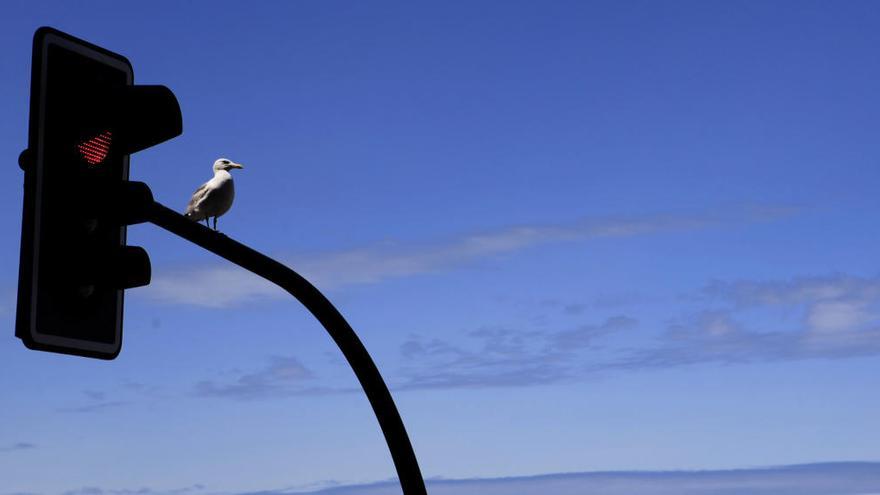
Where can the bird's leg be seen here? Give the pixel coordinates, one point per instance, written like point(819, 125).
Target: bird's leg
point(206, 222)
point(215, 224)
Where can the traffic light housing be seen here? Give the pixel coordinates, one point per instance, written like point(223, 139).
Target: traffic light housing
point(86, 118)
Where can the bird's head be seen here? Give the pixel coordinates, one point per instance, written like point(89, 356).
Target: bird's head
point(224, 164)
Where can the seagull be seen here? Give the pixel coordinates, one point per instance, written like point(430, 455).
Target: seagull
point(213, 198)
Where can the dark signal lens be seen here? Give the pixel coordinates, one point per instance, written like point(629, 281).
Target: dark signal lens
point(95, 150)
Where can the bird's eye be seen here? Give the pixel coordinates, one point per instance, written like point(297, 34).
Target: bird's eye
point(226, 162)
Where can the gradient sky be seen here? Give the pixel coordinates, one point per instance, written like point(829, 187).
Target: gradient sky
point(575, 236)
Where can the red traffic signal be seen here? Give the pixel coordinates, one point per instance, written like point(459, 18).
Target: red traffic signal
point(95, 150)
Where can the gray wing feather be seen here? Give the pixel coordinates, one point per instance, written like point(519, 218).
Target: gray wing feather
point(197, 197)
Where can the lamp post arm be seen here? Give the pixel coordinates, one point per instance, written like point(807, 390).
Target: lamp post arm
point(354, 351)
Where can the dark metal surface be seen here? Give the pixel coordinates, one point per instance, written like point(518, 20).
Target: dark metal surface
point(377, 392)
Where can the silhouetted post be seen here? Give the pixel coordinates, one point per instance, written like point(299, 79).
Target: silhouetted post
point(377, 392)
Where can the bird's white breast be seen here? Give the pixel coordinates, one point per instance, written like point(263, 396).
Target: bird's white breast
point(222, 193)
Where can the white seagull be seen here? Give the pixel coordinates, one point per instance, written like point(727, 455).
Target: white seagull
point(214, 198)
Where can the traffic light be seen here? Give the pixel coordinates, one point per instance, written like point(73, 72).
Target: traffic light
point(86, 117)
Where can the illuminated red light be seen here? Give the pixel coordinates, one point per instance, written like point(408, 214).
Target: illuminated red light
point(95, 150)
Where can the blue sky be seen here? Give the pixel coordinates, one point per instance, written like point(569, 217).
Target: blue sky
point(576, 237)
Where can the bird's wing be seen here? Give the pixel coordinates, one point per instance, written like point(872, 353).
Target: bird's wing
point(201, 193)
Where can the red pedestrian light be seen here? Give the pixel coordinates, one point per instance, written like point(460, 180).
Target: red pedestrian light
point(95, 150)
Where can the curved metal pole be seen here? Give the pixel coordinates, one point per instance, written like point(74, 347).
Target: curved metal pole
point(377, 392)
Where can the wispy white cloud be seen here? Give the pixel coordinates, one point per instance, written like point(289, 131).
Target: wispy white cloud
point(845, 478)
point(835, 307)
point(840, 318)
point(282, 376)
point(212, 286)
point(97, 401)
point(93, 407)
point(491, 357)
point(17, 446)
point(799, 290)
point(224, 285)
point(95, 490)
point(503, 357)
